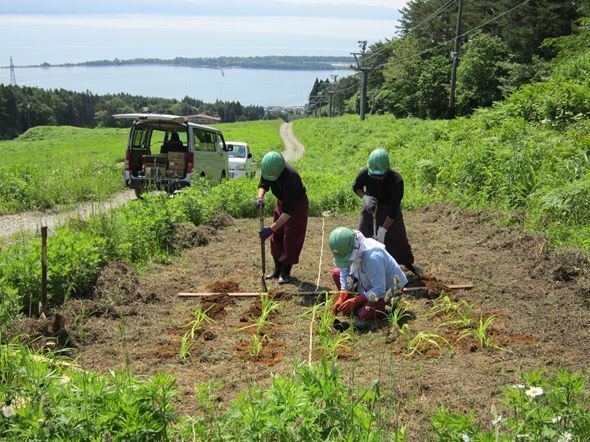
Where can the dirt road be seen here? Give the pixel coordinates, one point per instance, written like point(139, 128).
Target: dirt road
point(293, 147)
point(31, 221)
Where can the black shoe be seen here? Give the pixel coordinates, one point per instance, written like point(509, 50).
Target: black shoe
point(276, 272)
point(414, 269)
point(362, 326)
point(285, 276)
point(340, 326)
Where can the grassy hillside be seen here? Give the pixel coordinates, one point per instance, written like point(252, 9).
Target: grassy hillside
point(50, 165)
point(59, 165)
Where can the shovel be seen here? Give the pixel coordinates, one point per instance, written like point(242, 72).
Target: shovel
point(263, 255)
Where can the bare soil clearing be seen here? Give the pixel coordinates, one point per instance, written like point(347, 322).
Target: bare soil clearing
point(540, 300)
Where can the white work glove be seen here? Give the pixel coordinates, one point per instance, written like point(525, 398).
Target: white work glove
point(369, 202)
point(381, 235)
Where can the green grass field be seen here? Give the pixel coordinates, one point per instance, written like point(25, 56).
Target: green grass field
point(60, 165)
point(47, 166)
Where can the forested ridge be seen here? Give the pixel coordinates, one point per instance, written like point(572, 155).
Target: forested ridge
point(503, 45)
point(22, 107)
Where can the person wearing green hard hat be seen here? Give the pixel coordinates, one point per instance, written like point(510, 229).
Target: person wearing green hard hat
point(287, 232)
point(372, 269)
point(382, 189)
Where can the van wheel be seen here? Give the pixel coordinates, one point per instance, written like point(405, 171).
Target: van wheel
point(223, 176)
point(138, 192)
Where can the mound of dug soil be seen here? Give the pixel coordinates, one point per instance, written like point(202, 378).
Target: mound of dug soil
point(215, 305)
point(117, 279)
point(187, 235)
point(42, 333)
point(224, 286)
point(221, 220)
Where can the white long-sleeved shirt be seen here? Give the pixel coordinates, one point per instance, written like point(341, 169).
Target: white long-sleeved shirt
point(376, 273)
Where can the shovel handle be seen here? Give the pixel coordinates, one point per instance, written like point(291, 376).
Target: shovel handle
point(262, 253)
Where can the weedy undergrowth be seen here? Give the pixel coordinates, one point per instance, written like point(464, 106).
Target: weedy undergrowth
point(188, 339)
point(322, 326)
point(257, 344)
point(481, 333)
point(268, 306)
point(422, 341)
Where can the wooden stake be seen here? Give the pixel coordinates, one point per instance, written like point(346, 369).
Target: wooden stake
point(43, 301)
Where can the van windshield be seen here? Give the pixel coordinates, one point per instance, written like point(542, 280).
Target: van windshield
point(236, 151)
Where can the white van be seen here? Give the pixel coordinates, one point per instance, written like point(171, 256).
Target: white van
point(167, 152)
point(240, 160)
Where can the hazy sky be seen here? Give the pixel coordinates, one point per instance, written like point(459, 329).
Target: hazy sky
point(58, 31)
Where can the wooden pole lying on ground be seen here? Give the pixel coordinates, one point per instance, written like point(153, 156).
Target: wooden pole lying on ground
point(332, 292)
point(43, 301)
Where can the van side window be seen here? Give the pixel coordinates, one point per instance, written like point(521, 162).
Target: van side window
point(219, 142)
point(204, 141)
point(140, 139)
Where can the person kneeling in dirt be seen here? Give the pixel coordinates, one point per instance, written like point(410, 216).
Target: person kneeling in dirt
point(371, 267)
point(382, 190)
point(287, 233)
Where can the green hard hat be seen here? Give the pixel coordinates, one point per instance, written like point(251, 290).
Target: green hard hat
point(342, 241)
point(272, 165)
point(378, 162)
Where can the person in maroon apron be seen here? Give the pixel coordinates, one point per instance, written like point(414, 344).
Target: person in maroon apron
point(287, 233)
point(382, 190)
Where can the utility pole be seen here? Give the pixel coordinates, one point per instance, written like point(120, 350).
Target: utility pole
point(455, 57)
point(331, 91)
point(362, 67)
point(12, 76)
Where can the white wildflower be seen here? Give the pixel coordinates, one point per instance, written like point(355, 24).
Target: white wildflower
point(497, 420)
point(19, 402)
point(545, 120)
point(534, 392)
point(65, 380)
point(8, 411)
point(556, 420)
point(520, 386)
point(565, 437)
point(466, 438)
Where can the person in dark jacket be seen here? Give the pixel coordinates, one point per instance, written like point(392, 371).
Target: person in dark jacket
point(382, 190)
point(287, 233)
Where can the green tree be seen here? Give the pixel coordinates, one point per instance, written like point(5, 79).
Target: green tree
point(481, 72)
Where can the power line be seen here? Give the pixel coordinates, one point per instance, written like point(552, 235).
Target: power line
point(453, 39)
point(426, 20)
point(434, 14)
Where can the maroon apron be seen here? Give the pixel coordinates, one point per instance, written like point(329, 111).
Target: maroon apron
point(396, 239)
point(287, 242)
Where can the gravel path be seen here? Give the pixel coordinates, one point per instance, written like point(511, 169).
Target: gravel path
point(293, 147)
point(31, 221)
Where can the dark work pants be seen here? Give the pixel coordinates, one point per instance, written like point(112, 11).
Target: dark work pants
point(287, 242)
point(396, 239)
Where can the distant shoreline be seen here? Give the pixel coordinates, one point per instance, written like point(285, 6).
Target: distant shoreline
point(290, 63)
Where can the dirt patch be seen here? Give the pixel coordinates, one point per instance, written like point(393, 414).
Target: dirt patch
point(221, 220)
point(224, 286)
point(270, 354)
point(214, 306)
point(542, 320)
